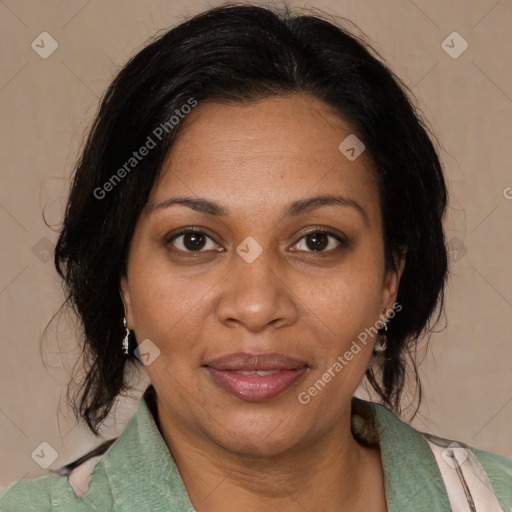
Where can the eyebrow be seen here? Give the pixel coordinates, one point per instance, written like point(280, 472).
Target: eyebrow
point(294, 209)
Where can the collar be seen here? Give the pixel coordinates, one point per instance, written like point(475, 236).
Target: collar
point(412, 478)
point(142, 474)
point(141, 471)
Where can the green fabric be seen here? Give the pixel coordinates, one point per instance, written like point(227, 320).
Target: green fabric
point(138, 473)
point(499, 471)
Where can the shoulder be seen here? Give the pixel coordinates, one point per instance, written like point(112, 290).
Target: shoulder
point(499, 471)
point(485, 471)
point(56, 490)
point(30, 495)
point(429, 459)
point(493, 462)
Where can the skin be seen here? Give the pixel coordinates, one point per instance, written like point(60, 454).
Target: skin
point(254, 160)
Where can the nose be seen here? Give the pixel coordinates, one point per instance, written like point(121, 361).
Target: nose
point(257, 294)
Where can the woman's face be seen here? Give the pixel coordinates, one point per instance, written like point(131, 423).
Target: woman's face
point(257, 276)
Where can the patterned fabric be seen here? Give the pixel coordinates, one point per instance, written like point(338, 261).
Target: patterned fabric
point(138, 473)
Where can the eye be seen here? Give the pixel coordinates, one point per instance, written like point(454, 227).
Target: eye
point(193, 241)
point(319, 241)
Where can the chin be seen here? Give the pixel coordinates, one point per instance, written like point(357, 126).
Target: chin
point(260, 447)
point(258, 435)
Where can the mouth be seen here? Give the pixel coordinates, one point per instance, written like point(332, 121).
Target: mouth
point(256, 377)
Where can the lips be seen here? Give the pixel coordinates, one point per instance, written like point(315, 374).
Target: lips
point(256, 377)
point(242, 361)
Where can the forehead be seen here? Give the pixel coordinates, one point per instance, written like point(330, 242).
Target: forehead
point(271, 151)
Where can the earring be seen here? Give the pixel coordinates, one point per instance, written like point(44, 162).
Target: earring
point(126, 338)
point(382, 342)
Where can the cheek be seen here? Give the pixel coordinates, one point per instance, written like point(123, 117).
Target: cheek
point(163, 308)
point(342, 311)
point(340, 323)
point(160, 300)
point(350, 295)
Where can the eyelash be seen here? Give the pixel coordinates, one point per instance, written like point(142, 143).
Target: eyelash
point(342, 242)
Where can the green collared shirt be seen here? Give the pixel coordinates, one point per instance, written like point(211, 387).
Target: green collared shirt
point(138, 473)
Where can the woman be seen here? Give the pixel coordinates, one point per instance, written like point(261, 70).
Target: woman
point(256, 219)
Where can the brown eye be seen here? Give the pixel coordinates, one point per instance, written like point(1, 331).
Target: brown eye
point(319, 241)
point(193, 241)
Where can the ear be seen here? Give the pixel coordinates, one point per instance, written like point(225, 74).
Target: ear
point(392, 281)
point(124, 291)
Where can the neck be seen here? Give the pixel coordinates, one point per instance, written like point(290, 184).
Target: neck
point(331, 473)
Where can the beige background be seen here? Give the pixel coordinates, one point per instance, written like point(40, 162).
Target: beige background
point(47, 104)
